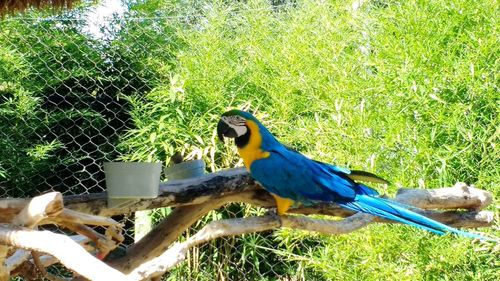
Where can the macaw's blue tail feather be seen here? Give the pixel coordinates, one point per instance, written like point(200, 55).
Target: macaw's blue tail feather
point(394, 211)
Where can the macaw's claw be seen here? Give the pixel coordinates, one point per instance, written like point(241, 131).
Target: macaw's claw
point(272, 212)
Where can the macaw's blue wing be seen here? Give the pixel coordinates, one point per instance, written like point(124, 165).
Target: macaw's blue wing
point(291, 175)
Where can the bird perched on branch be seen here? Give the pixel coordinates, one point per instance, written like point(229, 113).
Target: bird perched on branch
point(291, 177)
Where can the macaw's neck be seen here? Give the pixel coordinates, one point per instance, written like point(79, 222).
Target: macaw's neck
point(250, 145)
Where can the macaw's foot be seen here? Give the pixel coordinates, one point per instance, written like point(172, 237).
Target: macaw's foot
point(272, 212)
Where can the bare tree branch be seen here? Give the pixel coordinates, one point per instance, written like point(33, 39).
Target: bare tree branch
point(194, 198)
point(32, 212)
point(38, 263)
point(16, 259)
point(47, 260)
point(231, 227)
point(173, 193)
point(160, 238)
point(4, 271)
point(72, 216)
point(69, 253)
point(216, 229)
point(45, 207)
point(234, 181)
point(460, 196)
point(39, 208)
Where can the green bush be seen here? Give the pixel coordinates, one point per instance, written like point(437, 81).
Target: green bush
point(407, 90)
point(63, 100)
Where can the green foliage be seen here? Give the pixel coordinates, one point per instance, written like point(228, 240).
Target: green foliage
point(405, 89)
point(60, 107)
point(388, 252)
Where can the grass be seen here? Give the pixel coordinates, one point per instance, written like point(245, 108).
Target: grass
point(420, 109)
point(405, 89)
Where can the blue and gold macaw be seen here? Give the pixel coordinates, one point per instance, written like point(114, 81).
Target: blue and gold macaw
point(291, 177)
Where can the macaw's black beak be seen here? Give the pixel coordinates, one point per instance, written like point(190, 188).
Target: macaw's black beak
point(224, 130)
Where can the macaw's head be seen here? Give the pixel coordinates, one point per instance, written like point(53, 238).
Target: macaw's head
point(233, 124)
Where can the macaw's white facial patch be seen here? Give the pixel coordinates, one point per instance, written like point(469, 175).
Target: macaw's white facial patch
point(237, 123)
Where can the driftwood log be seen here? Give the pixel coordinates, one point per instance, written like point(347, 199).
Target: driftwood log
point(24, 249)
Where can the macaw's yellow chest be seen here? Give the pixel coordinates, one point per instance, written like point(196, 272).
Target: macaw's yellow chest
point(253, 150)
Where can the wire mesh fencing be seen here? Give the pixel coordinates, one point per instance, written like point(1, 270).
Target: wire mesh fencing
point(67, 89)
point(404, 89)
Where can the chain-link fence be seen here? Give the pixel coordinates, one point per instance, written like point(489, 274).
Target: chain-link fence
point(405, 89)
point(69, 91)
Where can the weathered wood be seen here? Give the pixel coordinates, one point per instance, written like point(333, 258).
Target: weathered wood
point(452, 218)
point(46, 207)
point(38, 264)
point(460, 196)
point(194, 198)
point(83, 241)
point(163, 235)
point(215, 229)
point(173, 193)
point(211, 186)
point(72, 216)
point(103, 244)
point(9, 208)
point(4, 271)
point(16, 259)
point(39, 208)
point(157, 241)
point(230, 227)
point(69, 253)
point(32, 212)
point(195, 191)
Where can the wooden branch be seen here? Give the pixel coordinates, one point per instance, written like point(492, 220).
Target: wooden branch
point(239, 226)
point(233, 181)
point(460, 196)
point(69, 253)
point(9, 208)
point(103, 244)
point(199, 190)
point(177, 253)
point(173, 193)
point(81, 240)
point(163, 235)
point(48, 208)
point(213, 230)
point(452, 218)
point(231, 227)
point(38, 264)
point(182, 218)
point(4, 272)
point(72, 216)
point(39, 208)
point(194, 198)
point(33, 211)
point(16, 259)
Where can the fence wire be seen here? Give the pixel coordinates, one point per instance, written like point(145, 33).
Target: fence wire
point(65, 107)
